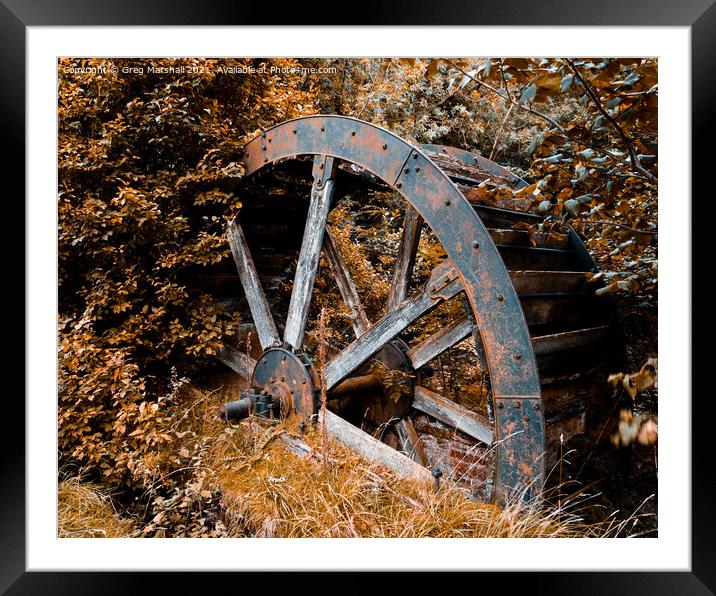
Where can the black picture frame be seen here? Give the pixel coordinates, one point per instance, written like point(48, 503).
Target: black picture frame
point(17, 15)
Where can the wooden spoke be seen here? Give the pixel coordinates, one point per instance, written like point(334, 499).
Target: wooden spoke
point(443, 284)
point(238, 361)
point(406, 258)
point(455, 415)
point(410, 441)
point(372, 449)
point(345, 284)
point(376, 337)
point(263, 320)
point(321, 194)
point(436, 344)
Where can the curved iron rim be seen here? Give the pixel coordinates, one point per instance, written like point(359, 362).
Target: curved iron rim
point(519, 418)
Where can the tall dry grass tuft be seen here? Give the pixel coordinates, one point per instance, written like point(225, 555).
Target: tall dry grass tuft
point(271, 480)
point(86, 511)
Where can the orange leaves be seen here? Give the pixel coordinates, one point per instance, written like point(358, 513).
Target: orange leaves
point(642, 429)
point(637, 382)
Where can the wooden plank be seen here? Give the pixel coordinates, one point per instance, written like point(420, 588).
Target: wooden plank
point(437, 343)
point(310, 254)
point(527, 258)
point(406, 258)
point(522, 238)
point(549, 282)
point(376, 337)
point(569, 340)
point(494, 217)
point(562, 309)
point(345, 284)
point(372, 449)
point(263, 320)
point(410, 441)
point(455, 415)
point(238, 361)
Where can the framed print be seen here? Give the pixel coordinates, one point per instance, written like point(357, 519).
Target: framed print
point(385, 306)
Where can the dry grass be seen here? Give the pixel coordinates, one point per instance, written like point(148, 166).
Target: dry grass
point(85, 511)
point(260, 480)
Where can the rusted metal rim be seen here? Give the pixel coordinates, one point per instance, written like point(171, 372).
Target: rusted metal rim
point(519, 419)
point(472, 159)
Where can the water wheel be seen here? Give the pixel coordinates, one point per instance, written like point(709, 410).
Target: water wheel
point(517, 301)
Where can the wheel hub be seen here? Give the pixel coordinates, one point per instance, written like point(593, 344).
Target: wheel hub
point(289, 379)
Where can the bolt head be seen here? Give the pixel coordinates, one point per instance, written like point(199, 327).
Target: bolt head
point(475, 244)
point(500, 405)
point(447, 203)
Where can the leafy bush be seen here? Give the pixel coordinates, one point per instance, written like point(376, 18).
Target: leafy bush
point(148, 160)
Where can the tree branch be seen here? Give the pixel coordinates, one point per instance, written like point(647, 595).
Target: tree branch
point(595, 100)
point(604, 222)
point(491, 88)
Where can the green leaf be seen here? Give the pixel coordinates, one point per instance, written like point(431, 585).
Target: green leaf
point(566, 82)
point(528, 94)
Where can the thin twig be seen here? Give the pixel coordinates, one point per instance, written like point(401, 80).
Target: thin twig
point(499, 131)
point(595, 100)
point(322, 366)
point(604, 222)
point(491, 88)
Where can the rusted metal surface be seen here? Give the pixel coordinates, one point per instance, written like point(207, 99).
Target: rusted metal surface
point(475, 258)
point(473, 159)
point(288, 378)
point(518, 419)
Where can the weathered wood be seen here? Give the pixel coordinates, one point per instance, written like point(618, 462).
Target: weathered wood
point(437, 343)
point(376, 337)
point(522, 238)
point(548, 282)
point(321, 194)
point(410, 441)
point(345, 284)
point(527, 258)
point(442, 285)
point(372, 449)
point(569, 340)
point(494, 217)
point(406, 257)
point(455, 415)
point(562, 310)
point(263, 320)
point(238, 361)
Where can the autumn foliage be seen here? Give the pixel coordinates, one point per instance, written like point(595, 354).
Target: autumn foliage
point(149, 174)
point(147, 165)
